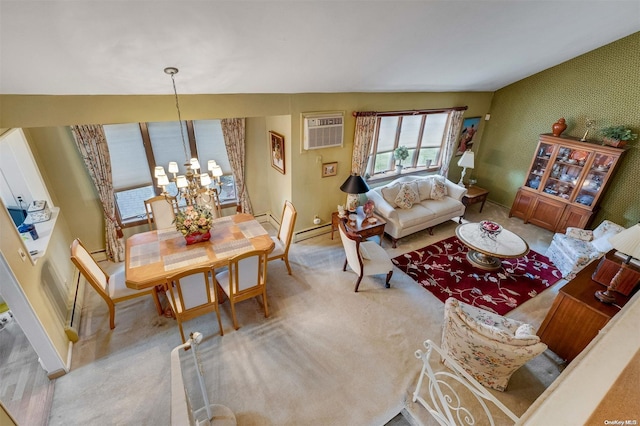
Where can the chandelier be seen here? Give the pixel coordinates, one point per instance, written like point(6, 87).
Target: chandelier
point(193, 184)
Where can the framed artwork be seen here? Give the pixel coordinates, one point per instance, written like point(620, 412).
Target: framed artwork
point(469, 130)
point(329, 169)
point(276, 142)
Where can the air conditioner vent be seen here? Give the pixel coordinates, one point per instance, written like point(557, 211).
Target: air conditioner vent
point(323, 131)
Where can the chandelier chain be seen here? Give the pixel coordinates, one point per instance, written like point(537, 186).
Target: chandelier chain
point(175, 92)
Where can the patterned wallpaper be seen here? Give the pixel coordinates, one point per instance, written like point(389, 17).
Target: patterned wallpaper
point(603, 85)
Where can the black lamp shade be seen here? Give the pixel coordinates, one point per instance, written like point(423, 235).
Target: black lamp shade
point(354, 185)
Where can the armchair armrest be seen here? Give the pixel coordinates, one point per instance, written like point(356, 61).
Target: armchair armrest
point(381, 205)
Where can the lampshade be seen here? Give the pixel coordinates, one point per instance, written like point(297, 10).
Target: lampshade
point(216, 171)
point(628, 241)
point(211, 164)
point(162, 180)
point(181, 181)
point(205, 179)
point(159, 170)
point(466, 160)
point(354, 185)
point(173, 167)
point(195, 164)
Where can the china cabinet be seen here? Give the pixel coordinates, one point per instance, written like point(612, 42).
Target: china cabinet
point(565, 182)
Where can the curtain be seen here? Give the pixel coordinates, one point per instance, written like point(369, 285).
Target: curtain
point(92, 145)
point(365, 125)
point(233, 131)
point(452, 136)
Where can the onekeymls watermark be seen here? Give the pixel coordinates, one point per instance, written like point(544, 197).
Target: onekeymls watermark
point(620, 422)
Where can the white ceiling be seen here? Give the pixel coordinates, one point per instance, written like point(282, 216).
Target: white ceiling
point(265, 46)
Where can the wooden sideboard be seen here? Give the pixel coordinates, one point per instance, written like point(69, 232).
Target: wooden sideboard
point(576, 316)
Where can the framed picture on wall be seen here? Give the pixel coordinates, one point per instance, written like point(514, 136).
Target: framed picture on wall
point(469, 130)
point(276, 142)
point(329, 169)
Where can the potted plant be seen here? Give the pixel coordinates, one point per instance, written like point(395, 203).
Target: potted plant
point(400, 154)
point(617, 136)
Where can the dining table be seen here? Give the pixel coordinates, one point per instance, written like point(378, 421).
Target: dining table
point(153, 255)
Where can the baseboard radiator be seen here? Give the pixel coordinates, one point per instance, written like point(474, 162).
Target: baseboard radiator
point(72, 325)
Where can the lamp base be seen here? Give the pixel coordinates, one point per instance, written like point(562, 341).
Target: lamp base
point(605, 296)
point(352, 202)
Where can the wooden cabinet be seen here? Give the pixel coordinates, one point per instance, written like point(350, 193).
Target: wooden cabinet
point(565, 182)
point(576, 316)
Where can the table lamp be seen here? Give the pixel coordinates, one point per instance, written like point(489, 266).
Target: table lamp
point(353, 186)
point(466, 161)
point(628, 243)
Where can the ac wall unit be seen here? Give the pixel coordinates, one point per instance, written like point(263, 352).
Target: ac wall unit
point(323, 131)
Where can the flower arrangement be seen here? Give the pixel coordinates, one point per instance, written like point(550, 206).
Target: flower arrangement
point(194, 220)
point(401, 153)
point(621, 133)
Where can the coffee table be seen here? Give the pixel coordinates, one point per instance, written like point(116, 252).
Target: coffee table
point(485, 250)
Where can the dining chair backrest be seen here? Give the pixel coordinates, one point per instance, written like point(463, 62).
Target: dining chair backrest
point(161, 211)
point(89, 268)
point(289, 214)
point(211, 200)
point(248, 270)
point(193, 293)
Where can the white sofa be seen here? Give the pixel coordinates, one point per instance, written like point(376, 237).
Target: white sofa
point(427, 209)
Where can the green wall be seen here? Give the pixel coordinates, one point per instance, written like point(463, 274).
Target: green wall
point(603, 85)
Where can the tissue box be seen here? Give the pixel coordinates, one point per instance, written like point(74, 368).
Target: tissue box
point(38, 211)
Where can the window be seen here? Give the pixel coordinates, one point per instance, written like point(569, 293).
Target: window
point(136, 148)
point(423, 134)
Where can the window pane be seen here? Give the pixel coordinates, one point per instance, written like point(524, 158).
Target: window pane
point(228, 190)
point(131, 202)
point(429, 157)
point(128, 159)
point(382, 162)
point(434, 129)
point(166, 142)
point(210, 142)
point(410, 131)
point(387, 133)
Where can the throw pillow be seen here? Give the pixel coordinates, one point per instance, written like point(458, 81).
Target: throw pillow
point(390, 192)
point(602, 244)
point(579, 234)
point(438, 188)
point(407, 196)
point(424, 188)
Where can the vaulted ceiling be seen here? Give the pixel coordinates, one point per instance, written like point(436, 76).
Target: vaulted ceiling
point(63, 47)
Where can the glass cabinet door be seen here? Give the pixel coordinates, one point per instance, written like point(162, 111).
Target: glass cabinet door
point(594, 180)
point(565, 172)
point(539, 166)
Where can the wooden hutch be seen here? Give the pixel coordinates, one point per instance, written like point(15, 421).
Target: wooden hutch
point(565, 182)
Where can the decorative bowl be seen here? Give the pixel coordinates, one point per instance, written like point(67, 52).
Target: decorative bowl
point(490, 228)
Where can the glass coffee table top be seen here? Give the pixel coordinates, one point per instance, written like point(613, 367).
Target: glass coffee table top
point(487, 248)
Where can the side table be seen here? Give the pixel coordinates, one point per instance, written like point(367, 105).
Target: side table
point(362, 227)
point(474, 194)
point(576, 316)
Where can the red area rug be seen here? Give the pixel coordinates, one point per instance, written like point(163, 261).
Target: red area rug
point(443, 269)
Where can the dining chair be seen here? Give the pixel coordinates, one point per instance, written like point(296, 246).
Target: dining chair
point(161, 210)
point(212, 201)
point(364, 257)
point(285, 233)
point(111, 288)
point(191, 294)
point(245, 278)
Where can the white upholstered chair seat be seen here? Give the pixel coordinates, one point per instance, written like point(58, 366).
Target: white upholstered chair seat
point(117, 287)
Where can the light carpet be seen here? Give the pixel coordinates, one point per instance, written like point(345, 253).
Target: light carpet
point(325, 356)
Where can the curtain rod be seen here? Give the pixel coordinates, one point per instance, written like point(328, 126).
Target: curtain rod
point(408, 112)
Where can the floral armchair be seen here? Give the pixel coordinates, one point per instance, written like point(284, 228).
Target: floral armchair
point(576, 248)
point(488, 346)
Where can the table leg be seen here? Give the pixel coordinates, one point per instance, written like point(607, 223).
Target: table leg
point(482, 261)
point(482, 205)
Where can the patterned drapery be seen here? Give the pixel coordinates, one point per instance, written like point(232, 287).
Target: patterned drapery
point(233, 131)
point(452, 136)
point(363, 136)
point(92, 144)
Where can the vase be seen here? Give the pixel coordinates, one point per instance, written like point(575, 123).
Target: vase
point(559, 127)
point(197, 237)
point(398, 168)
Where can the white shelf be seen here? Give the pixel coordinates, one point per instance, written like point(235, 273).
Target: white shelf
point(44, 229)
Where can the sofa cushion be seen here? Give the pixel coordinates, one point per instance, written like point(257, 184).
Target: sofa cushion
point(407, 195)
point(443, 207)
point(438, 188)
point(416, 215)
point(580, 234)
point(390, 192)
point(424, 188)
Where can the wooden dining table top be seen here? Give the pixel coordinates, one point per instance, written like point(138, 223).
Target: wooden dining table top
point(152, 256)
